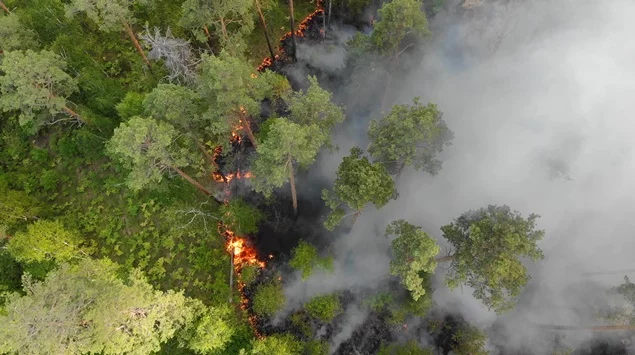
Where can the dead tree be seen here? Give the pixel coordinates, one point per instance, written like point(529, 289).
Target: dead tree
point(175, 52)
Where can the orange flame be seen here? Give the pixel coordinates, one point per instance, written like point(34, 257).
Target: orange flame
point(267, 62)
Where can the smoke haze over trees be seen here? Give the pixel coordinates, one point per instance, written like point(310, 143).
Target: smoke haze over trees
point(387, 177)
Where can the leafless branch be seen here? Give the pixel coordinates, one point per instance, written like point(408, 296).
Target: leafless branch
point(176, 53)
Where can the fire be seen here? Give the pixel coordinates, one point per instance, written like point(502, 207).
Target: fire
point(267, 62)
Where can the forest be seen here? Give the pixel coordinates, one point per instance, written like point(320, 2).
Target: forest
point(315, 177)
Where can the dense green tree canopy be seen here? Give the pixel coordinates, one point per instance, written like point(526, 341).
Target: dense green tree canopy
point(359, 183)
point(45, 240)
point(399, 21)
point(324, 308)
point(305, 258)
point(413, 253)
point(488, 244)
point(17, 207)
point(240, 217)
point(14, 36)
point(93, 311)
point(177, 105)
point(234, 92)
point(210, 331)
point(279, 344)
point(410, 135)
point(109, 15)
point(269, 298)
point(315, 107)
point(288, 145)
point(148, 149)
point(36, 85)
point(228, 20)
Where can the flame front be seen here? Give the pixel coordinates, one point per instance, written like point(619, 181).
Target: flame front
point(304, 25)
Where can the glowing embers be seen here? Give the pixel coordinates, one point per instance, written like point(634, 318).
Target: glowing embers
point(300, 32)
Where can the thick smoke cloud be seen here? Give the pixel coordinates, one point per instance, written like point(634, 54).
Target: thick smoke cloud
point(544, 123)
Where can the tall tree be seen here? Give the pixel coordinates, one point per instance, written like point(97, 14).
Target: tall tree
point(410, 135)
point(409, 348)
point(149, 149)
point(401, 23)
point(230, 21)
point(263, 23)
point(85, 308)
point(14, 36)
point(315, 106)
point(234, 92)
point(487, 245)
point(46, 240)
point(292, 23)
point(413, 253)
point(359, 183)
point(110, 16)
point(210, 331)
point(35, 84)
point(288, 145)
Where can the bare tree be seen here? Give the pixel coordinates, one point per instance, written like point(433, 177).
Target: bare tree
point(176, 53)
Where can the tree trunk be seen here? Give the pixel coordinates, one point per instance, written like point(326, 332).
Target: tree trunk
point(4, 7)
point(443, 259)
point(400, 170)
point(196, 184)
point(292, 19)
point(207, 34)
point(294, 195)
point(247, 128)
point(264, 29)
point(210, 159)
point(73, 114)
point(135, 41)
point(328, 23)
point(231, 274)
point(223, 28)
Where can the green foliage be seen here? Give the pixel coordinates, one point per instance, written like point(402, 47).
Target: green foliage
point(229, 21)
point(14, 36)
point(35, 84)
point(131, 105)
point(305, 258)
point(409, 348)
point(279, 344)
point(249, 273)
point(315, 107)
point(229, 84)
point(9, 277)
point(240, 217)
point(324, 308)
point(269, 298)
point(108, 15)
point(469, 340)
point(488, 244)
point(177, 105)
point(17, 207)
point(359, 183)
point(399, 20)
point(413, 253)
point(287, 145)
point(210, 331)
point(148, 149)
point(410, 136)
point(402, 308)
point(316, 347)
point(621, 304)
point(45, 240)
point(93, 310)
